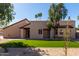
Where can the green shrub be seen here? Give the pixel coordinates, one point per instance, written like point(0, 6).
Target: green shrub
point(14, 44)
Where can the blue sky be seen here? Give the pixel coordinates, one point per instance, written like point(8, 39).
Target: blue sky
point(28, 10)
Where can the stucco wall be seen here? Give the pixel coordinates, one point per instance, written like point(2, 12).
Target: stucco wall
point(71, 32)
point(72, 23)
point(35, 26)
point(15, 32)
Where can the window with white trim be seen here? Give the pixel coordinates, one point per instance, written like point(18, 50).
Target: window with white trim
point(61, 32)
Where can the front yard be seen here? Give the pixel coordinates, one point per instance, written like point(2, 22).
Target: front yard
point(37, 48)
point(38, 43)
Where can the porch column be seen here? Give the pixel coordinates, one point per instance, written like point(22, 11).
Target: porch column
point(22, 33)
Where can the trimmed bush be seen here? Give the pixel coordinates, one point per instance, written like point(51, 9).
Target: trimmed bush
point(14, 44)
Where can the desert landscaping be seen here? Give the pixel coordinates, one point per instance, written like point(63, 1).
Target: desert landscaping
point(39, 52)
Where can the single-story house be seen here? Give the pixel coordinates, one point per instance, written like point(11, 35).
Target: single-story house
point(36, 29)
point(77, 33)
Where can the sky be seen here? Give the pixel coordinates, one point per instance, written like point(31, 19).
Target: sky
point(28, 10)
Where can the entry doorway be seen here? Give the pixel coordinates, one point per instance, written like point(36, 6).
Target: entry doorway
point(27, 32)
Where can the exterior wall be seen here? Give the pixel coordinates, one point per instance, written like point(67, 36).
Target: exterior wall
point(35, 26)
point(72, 32)
point(1, 31)
point(77, 34)
point(14, 30)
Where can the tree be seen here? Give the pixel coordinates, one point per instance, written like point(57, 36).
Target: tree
point(67, 35)
point(6, 14)
point(38, 15)
point(49, 25)
point(57, 12)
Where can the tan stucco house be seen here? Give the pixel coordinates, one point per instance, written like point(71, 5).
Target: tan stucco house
point(35, 30)
point(77, 33)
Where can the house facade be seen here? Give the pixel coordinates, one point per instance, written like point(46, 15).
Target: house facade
point(77, 33)
point(36, 30)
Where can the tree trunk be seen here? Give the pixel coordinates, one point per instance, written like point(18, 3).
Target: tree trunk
point(54, 34)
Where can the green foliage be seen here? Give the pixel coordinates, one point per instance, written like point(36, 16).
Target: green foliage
point(6, 13)
point(39, 43)
point(57, 12)
point(49, 24)
point(38, 15)
point(14, 44)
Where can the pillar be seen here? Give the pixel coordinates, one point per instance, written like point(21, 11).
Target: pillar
point(22, 33)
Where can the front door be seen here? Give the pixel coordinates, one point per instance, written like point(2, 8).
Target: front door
point(27, 32)
point(46, 33)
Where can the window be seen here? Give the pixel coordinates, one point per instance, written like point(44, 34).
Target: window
point(40, 31)
point(61, 32)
